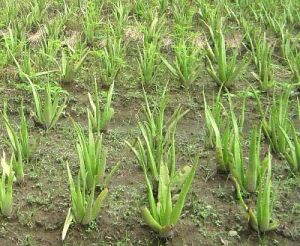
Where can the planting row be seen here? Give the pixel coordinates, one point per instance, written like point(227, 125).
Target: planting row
point(155, 151)
point(47, 52)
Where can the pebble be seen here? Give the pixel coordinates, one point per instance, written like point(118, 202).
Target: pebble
point(232, 233)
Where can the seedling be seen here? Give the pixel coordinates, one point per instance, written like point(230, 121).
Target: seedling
point(220, 141)
point(292, 153)
point(277, 118)
point(157, 135)
point(164, 211)
point(186, 67)
point(19, 140)
point(260, 219)
point(228, 69)
point(6, 187)
point(71, 62)
point(92, 157)
point(262, 53)
point(112, 56)
point(84, 207)
point(48, 112)
point(99, 118)
point(148, 62)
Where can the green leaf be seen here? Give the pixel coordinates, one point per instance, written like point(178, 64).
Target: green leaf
point(180, 202)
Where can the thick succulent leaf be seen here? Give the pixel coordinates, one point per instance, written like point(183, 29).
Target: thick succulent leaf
point(176, 212)
point(180, 177)
point(98, 203)
point(150, 221)
point(67, 224)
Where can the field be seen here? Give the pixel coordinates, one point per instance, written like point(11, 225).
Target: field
point(160, 122)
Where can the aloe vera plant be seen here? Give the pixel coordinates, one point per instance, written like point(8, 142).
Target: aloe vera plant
point(99, 118)
point(262, 53)
point(112, 56)
point(91, 20)
point(222, 140)
point(156, 135)
point(277, 118)
point(19, 140)
point(292, 153)
point(186, 67)
point(183, 17)
point(248, 178)
point(260, 219)
point(154, 29)
point(164, 211)
point(294, 63)
point(148, 62)
point(218, 114)
point(120, 12)
point(92, 157)
point(209, 14)
point(71, 62)
point(6, 187)
point(25, 68)
point(48, 113)
point(228, 68)
point(163, 5)
point(84, 207)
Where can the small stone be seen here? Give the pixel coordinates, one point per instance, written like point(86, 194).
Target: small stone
point(232, 233)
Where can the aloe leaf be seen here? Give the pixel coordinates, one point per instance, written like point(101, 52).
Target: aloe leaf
point(176, 212)
point(150, 221)
point(111, 174)
point(67, 224)
point(169, 66)
point(98, 203)
point(252, 175)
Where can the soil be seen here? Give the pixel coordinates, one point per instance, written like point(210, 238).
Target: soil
point(212, 214)
point(211, 211)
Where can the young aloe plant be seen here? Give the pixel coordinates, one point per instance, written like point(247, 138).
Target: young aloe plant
point(228, 68)
point(6, 187)
point(292, 153)
point(19, 140)
point(278, 118)
point(85, 208)
point(154, 28)
point(156, 135)
point(25, 69)
point(217, 111)
point(294, 63)
point(92, 157)
point(260, 219)
point(99, 119)
point(262, 53)
point(183, 13)
point(209, 13)
point(148, 62)
point(186, 67)
point(120, 12)
point(222, 143)
point(112, 56)
point(163, 5)
point(165, 211)
point(248, 179)
point(71, 64)
point(48, 113)
point(286, 45)
point(92, 20)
